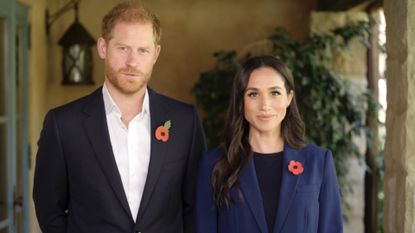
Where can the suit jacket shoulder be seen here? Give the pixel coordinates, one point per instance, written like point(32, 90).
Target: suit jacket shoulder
point(315, 154)
point(158, 100)
point(313, 149)
point(67, 111)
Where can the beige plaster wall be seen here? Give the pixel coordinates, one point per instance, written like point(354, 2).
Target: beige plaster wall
point(192, 31)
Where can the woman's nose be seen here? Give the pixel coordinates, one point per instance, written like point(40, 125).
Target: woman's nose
point(265, 103)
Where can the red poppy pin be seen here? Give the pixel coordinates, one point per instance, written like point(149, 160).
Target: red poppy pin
point(162, 132)
point(295, 167)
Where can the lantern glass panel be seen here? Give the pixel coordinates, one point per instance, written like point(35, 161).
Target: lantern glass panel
point(77, 65)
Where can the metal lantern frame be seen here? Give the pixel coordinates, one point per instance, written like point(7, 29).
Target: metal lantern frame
point(77, 62)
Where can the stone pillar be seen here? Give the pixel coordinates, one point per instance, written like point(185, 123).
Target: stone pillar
point(399, 215)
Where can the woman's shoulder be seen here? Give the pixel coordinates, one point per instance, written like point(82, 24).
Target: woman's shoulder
point(314, 152)
point(314, 149)
point(316, 158)
point(210, 157)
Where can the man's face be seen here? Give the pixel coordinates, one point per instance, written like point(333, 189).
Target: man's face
point(129, 56)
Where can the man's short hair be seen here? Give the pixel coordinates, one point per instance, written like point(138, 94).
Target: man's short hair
point(130, 12)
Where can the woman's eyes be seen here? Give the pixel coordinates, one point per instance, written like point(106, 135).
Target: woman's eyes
point(275, 93)
point(252, 94)
point(255, 94)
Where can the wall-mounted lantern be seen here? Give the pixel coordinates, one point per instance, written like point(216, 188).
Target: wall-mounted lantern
point(76, 43)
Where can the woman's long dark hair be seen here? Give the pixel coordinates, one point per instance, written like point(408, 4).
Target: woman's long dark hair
point(236, 148)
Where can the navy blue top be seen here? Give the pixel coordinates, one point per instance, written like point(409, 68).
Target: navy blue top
point(268, 169)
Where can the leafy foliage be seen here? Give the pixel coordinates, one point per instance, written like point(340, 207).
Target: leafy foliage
point(212, 94)
point(331, 109)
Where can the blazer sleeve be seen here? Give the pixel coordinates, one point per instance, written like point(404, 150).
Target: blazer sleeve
point(50, 189)
point(330, 216)
point(206, 213)
point(197, 148)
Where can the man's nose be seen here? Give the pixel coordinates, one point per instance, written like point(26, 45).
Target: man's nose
point(132, 59)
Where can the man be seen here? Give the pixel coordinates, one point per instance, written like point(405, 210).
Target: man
point(124, 158)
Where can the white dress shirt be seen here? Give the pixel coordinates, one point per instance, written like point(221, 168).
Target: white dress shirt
point(131, 146)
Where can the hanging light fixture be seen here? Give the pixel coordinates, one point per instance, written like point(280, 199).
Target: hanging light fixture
point(76, 43)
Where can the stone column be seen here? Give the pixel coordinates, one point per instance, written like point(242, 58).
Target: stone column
point(400, 117)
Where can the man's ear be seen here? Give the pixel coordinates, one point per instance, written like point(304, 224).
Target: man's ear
point(157, 53)
point(102, 48)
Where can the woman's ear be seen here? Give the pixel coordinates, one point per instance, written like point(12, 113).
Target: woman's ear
point(290, 97)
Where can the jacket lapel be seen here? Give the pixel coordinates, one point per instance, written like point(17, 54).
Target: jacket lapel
point(98, 134)
point(250, 188)
point(158, 115)
point(288, 186)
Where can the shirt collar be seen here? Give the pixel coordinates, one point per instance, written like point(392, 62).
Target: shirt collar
point(110, 105)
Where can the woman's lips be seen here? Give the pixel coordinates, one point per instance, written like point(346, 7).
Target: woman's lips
point(265, 117)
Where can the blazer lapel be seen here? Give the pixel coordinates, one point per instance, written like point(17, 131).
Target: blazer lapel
point(98, 134)
point(288, 186)
point(158, 115)
point(250, 188)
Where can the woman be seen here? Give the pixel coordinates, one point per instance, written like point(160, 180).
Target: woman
point(264, 178)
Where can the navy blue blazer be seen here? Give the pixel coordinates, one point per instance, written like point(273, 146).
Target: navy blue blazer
point(77, 186)
point(309, 202)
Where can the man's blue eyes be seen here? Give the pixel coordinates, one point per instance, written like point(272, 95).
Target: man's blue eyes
point(125, 49)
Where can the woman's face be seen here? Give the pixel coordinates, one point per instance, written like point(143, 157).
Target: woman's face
point(265, 101)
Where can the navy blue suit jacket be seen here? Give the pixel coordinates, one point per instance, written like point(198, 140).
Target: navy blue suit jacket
point(309, 202)
point(77, 186)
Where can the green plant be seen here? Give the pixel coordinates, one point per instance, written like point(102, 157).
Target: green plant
point(331, 109)
point(380, 190)
point(212, 94)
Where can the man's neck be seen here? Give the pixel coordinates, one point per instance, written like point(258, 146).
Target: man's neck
point(130, 105)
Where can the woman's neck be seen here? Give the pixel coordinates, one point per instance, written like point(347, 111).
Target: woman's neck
point(266, 143)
